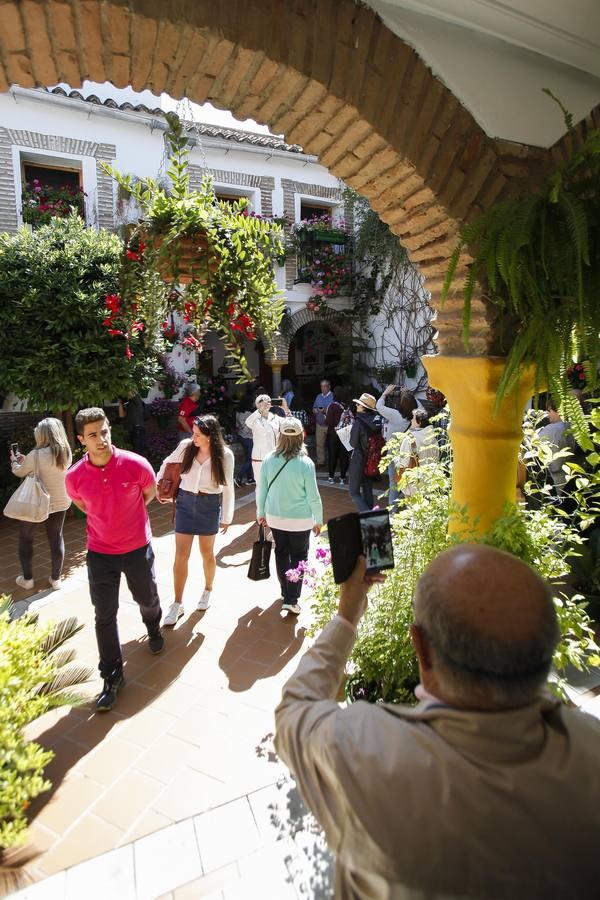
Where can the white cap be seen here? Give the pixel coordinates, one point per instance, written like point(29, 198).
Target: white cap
point(291, 426)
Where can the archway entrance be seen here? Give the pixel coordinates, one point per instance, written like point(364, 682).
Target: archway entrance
point(314, 353)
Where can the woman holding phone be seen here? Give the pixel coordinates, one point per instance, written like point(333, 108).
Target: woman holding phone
point(205, 502)
point(264, 426)
point(52, 457)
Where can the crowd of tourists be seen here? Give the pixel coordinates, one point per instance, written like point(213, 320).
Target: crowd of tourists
point(484, 634)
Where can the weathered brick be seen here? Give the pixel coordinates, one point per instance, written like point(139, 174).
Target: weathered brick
point(38, 41)
point(89, 26)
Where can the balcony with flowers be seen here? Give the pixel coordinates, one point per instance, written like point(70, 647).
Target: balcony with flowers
point(42, 202)
point(324, 256)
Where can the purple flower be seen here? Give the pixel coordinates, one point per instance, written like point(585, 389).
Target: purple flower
point(321, 553)
point(294, 575)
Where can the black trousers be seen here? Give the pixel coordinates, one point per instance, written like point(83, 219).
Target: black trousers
point(291, 548)
point(54, 531)
point(336, 451)
point(104, 573)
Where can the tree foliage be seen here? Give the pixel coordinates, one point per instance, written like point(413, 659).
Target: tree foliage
point(56, 353)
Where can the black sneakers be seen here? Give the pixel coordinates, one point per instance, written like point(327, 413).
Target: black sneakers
point(156, 641)
point(112, 686)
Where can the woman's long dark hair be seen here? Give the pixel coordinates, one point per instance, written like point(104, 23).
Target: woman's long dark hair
point(209, 426)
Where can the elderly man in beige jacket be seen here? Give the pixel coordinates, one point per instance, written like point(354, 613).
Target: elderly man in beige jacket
point(488, 788)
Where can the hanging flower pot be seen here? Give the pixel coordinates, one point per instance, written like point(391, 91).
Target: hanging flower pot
point(187, 259)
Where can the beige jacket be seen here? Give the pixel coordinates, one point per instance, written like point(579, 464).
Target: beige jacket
point(429, 802)
point(50, 475)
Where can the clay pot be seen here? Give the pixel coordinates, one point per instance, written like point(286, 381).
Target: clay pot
point(195, 264)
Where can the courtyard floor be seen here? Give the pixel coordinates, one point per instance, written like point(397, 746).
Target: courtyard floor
point(178, 789)
point(178, 793)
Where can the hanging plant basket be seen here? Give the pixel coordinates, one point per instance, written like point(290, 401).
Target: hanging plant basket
point(188, 260)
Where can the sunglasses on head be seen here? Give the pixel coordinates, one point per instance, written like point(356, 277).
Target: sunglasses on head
point(201, 425)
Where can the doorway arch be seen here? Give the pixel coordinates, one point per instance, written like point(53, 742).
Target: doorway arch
point(320, 72)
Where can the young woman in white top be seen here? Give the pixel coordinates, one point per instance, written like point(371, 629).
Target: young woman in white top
point(205, 500)
point(53, 459)
point(264, 426)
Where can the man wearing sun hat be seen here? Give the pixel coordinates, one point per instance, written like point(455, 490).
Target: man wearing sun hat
point(288, 501)
point(367, 422)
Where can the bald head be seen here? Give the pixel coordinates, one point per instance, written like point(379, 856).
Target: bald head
point(490, 623)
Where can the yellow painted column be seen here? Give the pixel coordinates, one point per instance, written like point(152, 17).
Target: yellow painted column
point(485, 443)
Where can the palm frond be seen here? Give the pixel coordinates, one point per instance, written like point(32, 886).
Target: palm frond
point(62, 632)
point(66, 678)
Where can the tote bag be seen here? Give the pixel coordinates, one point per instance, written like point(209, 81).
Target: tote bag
point(261, 554)
point(31, 501)
point(168, 485)
point(344, 428)
point(258, 570)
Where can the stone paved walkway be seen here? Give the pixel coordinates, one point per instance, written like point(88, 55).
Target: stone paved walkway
point(177, 793)
point(192, 731)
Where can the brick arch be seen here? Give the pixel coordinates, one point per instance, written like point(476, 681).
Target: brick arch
point(280, 346)
point(327, 74)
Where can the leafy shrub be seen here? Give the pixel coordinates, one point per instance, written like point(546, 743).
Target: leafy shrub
point(159, 445)
point(383, 664)
point(35, 677)
point(57, 354)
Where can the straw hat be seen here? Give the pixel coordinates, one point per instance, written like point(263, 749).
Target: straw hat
point(367, 400)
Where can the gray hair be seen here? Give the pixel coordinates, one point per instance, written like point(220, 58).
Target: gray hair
point(261, 399)
point(192, 389)
point(470, 665)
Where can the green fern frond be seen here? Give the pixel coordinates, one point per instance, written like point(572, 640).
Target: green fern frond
point(64, 679)
point(451, 269)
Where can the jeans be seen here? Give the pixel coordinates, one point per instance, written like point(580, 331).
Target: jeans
point(394, 494)
point(335, 451)
point(54, 531)
point(291, 548)
point(104, 573)
point(359, 485)
point(246, 469)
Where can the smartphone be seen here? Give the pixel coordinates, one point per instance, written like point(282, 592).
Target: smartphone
point(276, 401)
point(14, 449)
point(367, 533)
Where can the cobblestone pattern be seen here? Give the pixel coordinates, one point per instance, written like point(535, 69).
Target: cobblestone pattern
point(327, 74)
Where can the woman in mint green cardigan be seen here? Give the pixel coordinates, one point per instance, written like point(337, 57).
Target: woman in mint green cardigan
point(288, 501)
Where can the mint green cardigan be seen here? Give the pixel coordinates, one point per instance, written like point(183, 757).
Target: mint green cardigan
point(294, 495)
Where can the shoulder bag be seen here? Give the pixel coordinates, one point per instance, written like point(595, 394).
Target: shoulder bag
point(259, 570)
point(344, 427)
point(31, 501)
point(168, 485)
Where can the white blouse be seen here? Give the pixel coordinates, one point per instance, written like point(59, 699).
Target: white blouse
point(199, 478)
point(264, 433)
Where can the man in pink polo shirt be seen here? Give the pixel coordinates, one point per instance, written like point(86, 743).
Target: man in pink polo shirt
point(113, 487)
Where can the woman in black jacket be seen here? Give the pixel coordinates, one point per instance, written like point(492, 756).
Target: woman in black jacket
point(367, 423)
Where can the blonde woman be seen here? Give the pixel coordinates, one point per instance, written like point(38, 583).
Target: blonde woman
point(205, 504)
point(288, 502)
point(53, 460)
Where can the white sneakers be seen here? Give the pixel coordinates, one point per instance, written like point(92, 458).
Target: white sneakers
point(174, 612)
point(26, 583)
point(204, 601)
point(55, 583)
point(292, 608)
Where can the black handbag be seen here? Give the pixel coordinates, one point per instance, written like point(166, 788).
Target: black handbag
point(258, 569)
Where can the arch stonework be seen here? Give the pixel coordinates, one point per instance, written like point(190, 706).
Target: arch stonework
point(278, 354)
point(328, 74)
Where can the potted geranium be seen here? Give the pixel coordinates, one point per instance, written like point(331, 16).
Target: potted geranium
point(219, 254)
point(163, 411)
point(42, 203)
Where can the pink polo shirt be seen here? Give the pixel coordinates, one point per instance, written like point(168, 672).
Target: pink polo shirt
point(117, 517)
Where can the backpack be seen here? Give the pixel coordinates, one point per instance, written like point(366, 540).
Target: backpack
point(413, 461)
point(375, 444)
point(346, 418)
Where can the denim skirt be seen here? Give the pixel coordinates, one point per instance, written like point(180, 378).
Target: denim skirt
point(197, 513)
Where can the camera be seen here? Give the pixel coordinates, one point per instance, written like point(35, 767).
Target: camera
point(14, 449)
point(367, 533)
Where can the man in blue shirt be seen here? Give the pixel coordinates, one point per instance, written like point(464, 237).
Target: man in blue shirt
point(320, 405)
